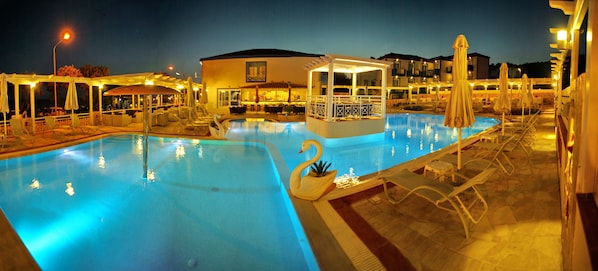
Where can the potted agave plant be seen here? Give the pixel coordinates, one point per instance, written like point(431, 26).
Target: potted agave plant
point(319, 169)
point(319, 175)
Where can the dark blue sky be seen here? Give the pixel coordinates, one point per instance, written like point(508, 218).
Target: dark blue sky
point(147, 36)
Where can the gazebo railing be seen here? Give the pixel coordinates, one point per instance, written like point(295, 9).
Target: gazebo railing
point(345, 107)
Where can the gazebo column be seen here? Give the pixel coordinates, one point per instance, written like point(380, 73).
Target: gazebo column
point(32, 104)
point(100, 106)
point(330, 91)
point(309, 97)
point(91, 116)
point(310, 76)
point(383, 105)
point(17, 102)
point(354, 84)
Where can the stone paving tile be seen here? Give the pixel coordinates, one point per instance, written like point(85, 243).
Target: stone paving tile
point(521, 230)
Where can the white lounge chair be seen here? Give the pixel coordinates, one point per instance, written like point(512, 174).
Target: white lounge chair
point(187, 124)
point(489, 154)
point(22, 135)
point(76, 124)
point(443, 195)
point(53, 127)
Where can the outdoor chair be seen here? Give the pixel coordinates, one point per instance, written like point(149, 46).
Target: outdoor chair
point(521, 140)
point(76, 124)
point(19, 132)
point(486, 155)
point(56, 129)
point(200, 117)
point(518, 126)
point(188, 124)
point(444, 196)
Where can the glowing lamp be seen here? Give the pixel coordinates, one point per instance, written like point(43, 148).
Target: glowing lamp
point(561, 35)
point(66, 35)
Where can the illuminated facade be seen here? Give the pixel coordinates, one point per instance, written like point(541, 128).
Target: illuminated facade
point(410, 69)
point(226, 77)
point(575, 75)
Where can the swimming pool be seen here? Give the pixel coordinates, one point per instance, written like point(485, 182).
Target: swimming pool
point(201, 212)
point(214, 205)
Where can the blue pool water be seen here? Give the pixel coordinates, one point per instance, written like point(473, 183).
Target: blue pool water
point(203, 211)
point(406, 137)
point(214, 205)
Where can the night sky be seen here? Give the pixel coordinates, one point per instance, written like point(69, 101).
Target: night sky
point(147, 36)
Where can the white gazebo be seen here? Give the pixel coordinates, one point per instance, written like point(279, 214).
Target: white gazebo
point(334, 116)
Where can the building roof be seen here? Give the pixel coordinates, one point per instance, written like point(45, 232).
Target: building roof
point(401, 56)
point(414, 57)
point(346, 64)
point(448, 58)
point(253, 53)
point(478, 55)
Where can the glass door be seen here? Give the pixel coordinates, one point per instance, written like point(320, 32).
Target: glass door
point(229, 97)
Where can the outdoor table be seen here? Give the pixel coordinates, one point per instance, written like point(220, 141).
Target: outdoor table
point(489, 138)
point(440, 169)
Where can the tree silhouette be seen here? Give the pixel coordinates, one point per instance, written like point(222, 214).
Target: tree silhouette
point(94, 71)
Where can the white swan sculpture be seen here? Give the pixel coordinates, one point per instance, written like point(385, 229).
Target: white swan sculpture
point(310, 187)
point(220, 131)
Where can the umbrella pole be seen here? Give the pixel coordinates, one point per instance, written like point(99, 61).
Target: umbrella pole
point(145, 133)
point(502, 130)
point(459, 150)
point(4, 123)
point(522, 112)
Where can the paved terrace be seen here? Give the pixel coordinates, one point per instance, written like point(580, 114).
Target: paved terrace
point(358, 229)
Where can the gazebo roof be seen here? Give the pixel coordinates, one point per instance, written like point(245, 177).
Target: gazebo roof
point(346, 64)
point(150, 78)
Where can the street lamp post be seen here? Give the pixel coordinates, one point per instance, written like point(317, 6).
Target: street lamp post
point(172, 68)
point(65, 37)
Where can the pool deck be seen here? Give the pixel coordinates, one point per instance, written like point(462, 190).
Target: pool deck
point(358, 229)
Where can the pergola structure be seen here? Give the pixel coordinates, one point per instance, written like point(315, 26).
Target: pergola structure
point(147, 78)
point(347, 115)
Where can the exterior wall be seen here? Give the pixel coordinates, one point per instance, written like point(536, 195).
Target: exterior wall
point(221, 74)
point(446, 70)
point(415, 70)
point(481, 67)
point(445, 66)
point(345, 128)
point(576, 112)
